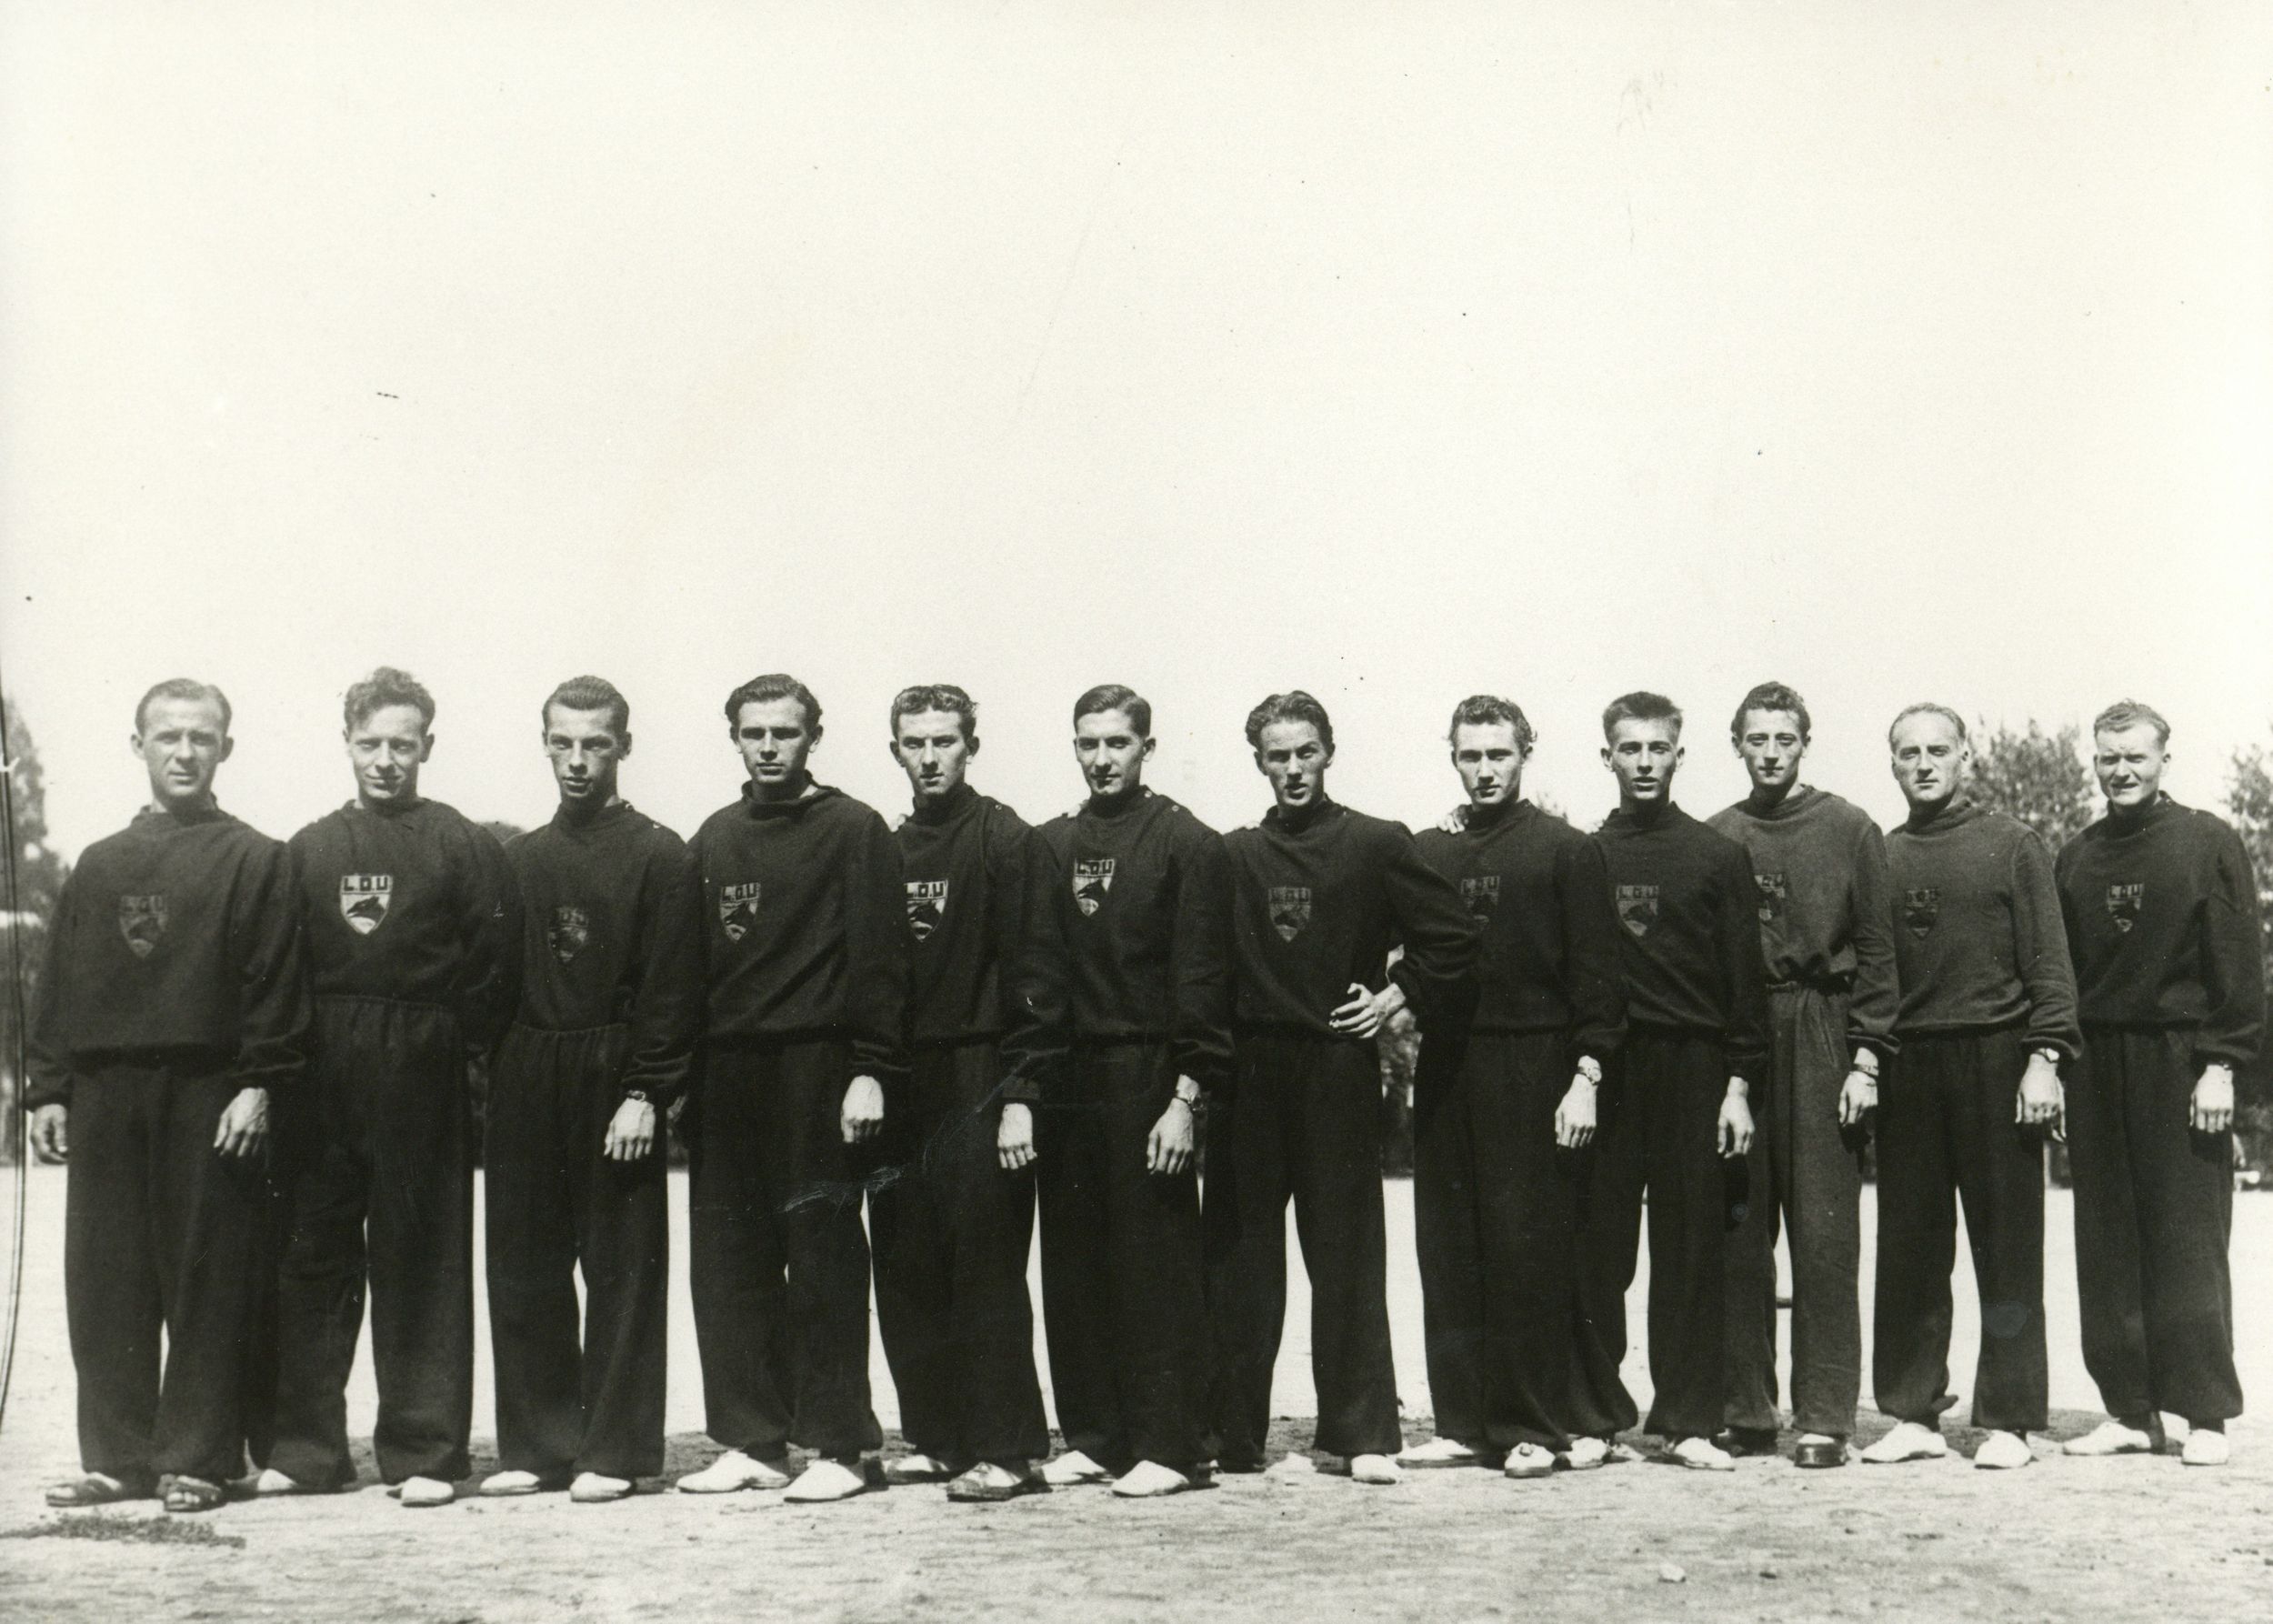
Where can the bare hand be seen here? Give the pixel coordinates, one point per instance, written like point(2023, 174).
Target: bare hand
point(51, 1137)
point(1858, 1096)
point(630, 1132)
point(1168, 1147)
point(1013, 1138)
point(1574, 1118)
point(2042, 1103)
point(863, 1117)
point(1455, 821)
point(2213, 1107)
point(1366, 1012)
point(1736, 1120)
point(243, 1125)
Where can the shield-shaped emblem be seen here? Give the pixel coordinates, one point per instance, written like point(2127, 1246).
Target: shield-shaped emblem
point(1481, 893)
point(141, 920)
point(569, 933)
point(2123, 903)
point(1773, 892)
point(737, 908)
point(926, 906)
point(1291, 910)
point(1637, 908)
point(1093, 878)
point(363, 899)
point(1921, 906)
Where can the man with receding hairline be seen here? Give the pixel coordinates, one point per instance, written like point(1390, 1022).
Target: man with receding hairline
point(174, 1004)
point(2162, 913)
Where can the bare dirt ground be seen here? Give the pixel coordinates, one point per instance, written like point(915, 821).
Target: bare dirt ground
point(2064, 1539)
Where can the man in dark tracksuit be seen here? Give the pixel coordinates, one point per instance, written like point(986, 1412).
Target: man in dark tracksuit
point(805, 934)
point(412, 933)
point(1989, 1009)
point(1819, 865)
point(1696, 1040)
point(611, 998)
point(1504, 1108)
point(1320, 894)
point(2162, 911)
point(952, 1226)
point(175, 1002)
point(1123, 1018)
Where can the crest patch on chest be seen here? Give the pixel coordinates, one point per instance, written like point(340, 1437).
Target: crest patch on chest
point(2123, 903)
point(1637, 908)
point(1481, 893)
point(1921, 906)
point(926, 906)
point(570, 931)
point(1774, 893)
point(364, 901)
point(1289, 910)
point(1093, 878)
point(142, 921)
point(737, 908)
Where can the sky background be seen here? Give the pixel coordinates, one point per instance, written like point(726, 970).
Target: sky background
point(1397, 352)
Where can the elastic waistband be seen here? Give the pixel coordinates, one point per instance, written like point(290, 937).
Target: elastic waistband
point(340, 1000)
point(1822, 989)
point(600, 1031)
point(1122, 1040)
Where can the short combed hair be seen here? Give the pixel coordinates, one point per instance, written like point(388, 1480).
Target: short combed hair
point(1293, 706)
point(775, 685)
point(1772, 696)
point(1927, 707)
point(937, 695)
point(1487, 710)
point(2130, 713)
point(386, 687)
point(1114, 696)
point(589, 693)
point(182, 687)
point(1640, 706)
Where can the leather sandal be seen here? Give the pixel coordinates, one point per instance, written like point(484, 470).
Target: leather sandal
point(95, 1488)
point(181, 1492)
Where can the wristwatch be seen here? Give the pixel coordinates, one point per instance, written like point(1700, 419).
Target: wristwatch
point(1188, 1091)
point(1590, 1069)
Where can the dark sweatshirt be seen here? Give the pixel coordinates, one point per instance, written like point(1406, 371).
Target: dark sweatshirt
point(1127, 939)
point(1550, 961)
point(803, 925)
point(176, 936)
point(1692, 932)
point(2161, 911)
point(1318, 902)
point(609, 937)
point(415, 903)
point(963, 872)
point(1978, 930)
point(1819, 865)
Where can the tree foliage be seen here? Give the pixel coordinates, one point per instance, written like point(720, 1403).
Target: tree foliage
point(33, 875)
point(2038, 778)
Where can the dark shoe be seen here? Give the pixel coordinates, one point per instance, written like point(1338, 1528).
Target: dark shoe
point(181, 1492)
point(1817, 1452)
point(1741, 1441)
point(97, 1488)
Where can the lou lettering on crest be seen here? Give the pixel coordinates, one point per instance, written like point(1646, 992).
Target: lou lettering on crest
point(1774, 892)
point(1093, 878)
point(2123, 903)
point(737, 908)
point(1291, 910)
point(926, 906)
point(364, 901)
point(1637, 908)
point(570, 931)
point(1481, 893)
point(1921, 906)
point(142, 921)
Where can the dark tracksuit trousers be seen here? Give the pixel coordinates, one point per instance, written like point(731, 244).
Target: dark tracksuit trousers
point(1945, 1135)
point(556, 1203)
point(1495, 1218)
point(1655, 1133)
point(952, 1231)
point(1807, 1170)
point(158, 1230)
point(381, 1192)
point(1303, 1123)
point(777, 1255)
point(2154, 1216)
point(1123, 1305)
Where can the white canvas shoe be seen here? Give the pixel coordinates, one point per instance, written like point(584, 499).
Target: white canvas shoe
point(1148, 1479)
point(826, 1480)
point(1294, 1463)
point(735, 1471)
point(2111, 1436)
point(1584, 1455)
point(1910, 1440)
point(2003, 1451)
point(499, 1485)
point(1702, 1455)
point(271, 1482)
point(2204, 1448)
point(1439, 1452)
point(423, 1493)
point(1530, 1461)
point(1072, 1468)
point(916, 1468)
point(595, 1489)
point(1377, 1469)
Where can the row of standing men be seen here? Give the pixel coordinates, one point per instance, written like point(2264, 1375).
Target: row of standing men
point(256, 1056)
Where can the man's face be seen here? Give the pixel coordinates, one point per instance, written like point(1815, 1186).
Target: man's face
point(932, 751)
point(1489, 762)
point(1110, 752)
point(183, 744)
point(1772, 744)
point(586, 749)
point(1644, 754)
point(1293, 758)
point(1930, 759)
point(774, 738)
point(2130, 762)
point(388, 747)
